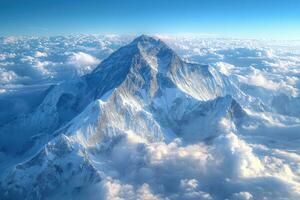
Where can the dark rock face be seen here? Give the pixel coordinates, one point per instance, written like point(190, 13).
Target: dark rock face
point(67, 107)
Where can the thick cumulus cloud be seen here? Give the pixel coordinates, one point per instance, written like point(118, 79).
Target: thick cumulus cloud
point(7, 76)
point(227, 168)
point(83, 62)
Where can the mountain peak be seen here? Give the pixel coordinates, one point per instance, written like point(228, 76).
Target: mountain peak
point(141, 59)
point(149, 47)
point(144, 42)
point(145, 38)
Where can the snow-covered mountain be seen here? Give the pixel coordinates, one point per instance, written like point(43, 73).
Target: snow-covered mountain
point(146, 73)
point(144, 124)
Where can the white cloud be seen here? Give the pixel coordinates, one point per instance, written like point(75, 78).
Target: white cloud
point(258, 78)
point(83, 62)
point(45, 59)
point(225, 68)
point(39, 54)
point(189, 171)
point(242, 196)
point(10, 40)
point(81, 59)
point(4, 56)
point(7, 77)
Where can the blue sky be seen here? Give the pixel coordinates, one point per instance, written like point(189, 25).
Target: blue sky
point(222, 18)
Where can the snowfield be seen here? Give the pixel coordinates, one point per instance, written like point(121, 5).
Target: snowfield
point(165, 117)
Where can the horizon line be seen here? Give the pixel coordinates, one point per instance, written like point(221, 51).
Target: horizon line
point(160, 35)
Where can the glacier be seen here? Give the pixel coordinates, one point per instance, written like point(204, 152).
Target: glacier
point(150, 122)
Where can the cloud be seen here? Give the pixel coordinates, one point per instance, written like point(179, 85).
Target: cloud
point(115, 190)
point(258, 78)
point(38, 60)
point(4, 56)
point(225, 68)
point(10, 40)
point(39, 54)
point(242, 196)
point(83, 62)
point(7, 76)
point(136, 169)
